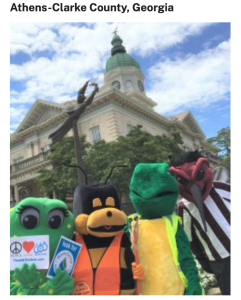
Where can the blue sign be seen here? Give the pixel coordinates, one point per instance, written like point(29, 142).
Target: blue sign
point(65, 256)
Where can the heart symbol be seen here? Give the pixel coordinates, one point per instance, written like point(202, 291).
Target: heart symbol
point(28, 246)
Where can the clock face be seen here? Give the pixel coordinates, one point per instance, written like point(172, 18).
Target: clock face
point(116, 84)
point(140, 86)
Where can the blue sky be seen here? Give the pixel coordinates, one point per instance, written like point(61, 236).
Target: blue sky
point(186, 65)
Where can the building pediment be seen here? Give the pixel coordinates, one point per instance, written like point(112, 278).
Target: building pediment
point(186, 118)
point(40, 112)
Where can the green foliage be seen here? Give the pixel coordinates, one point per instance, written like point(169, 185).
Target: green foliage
point(61, 179)
point(98, 159)
point(138, 146)
point(222, 140)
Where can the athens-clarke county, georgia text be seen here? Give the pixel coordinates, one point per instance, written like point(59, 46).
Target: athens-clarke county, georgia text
point(93, 7)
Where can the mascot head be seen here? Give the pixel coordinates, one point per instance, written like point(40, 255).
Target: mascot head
point(97, 210)
point(42, 216)
point(194, 176)
point(153, 190)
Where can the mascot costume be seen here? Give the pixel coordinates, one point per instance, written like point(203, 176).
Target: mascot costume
point(159, 239)
point(106, 264)
point(41, 216)
point(205, 209)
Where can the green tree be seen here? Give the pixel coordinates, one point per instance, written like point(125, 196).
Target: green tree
point(222, 140)
point(136, 147)
point(62, 179)
point(98, 159)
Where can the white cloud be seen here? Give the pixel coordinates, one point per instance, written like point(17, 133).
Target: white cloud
point(31, 37)
point(52, 79)
point(144, 40)
point(80, 53)
point(64, 37)
point(17, 114)
point(13, 127)
point(193, 81)
point(59, 37)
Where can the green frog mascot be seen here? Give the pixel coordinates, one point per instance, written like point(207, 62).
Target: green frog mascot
point(41, 216)
point(161, 244)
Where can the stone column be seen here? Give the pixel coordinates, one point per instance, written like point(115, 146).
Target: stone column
point(11, 193)
point(16, 193)
point(32, 148)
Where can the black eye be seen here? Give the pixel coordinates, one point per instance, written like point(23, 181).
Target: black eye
point(182, 180)
point(200, 175)
point(55, 218)
point(30, 218)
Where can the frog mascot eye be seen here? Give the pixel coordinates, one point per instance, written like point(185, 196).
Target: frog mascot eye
point(29, 217)
point(55, 218)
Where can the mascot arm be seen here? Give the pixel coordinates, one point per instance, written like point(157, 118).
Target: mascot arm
point(27, 281)
point(187, 263)
point(127, 280)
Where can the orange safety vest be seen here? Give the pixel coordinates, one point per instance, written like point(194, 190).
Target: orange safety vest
point(106, 280)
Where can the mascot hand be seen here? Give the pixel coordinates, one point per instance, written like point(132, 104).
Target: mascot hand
point(81, 224)
point(61, 284)
point(138, 271)
point(27, 276)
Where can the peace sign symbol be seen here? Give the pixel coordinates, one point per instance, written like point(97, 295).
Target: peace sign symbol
point(15, 247)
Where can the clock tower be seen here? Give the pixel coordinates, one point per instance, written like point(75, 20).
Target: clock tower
point(122, 71)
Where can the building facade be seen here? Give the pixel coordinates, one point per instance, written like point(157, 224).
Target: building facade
point(120, 104)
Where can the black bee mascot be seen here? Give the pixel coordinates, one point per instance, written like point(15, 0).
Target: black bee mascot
point(106, 264)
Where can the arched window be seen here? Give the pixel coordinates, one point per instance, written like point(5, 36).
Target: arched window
point(129, 85)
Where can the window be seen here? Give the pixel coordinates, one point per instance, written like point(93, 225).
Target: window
point(129, 128)
point(95, 133)
point(140, 86)
point(129, 85)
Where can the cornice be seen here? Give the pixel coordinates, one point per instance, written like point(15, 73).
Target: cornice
point(124, 71)
point(19, 137)
point(103, 98)
point(35, 111)
point(30, 169)
point(142, 97)
point(117, 96)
